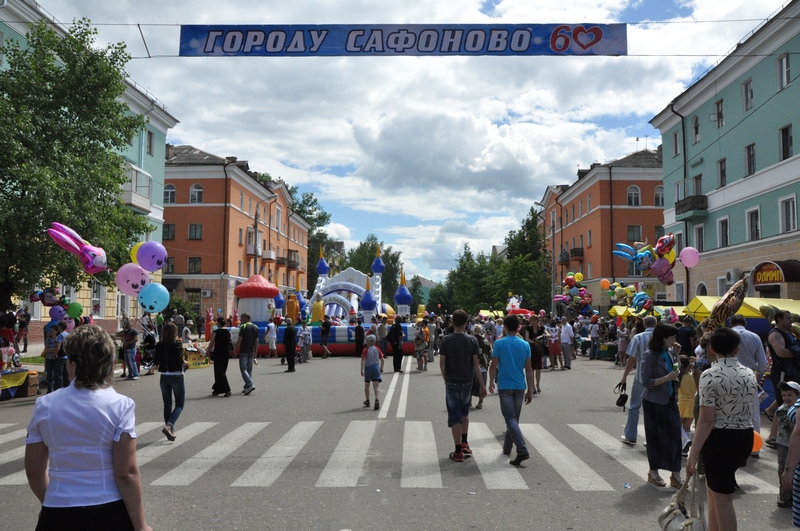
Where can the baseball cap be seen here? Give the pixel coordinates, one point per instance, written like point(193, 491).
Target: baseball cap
point(785, 386)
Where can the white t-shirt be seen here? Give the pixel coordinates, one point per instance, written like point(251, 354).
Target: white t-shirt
point(567, 334)
point(272, 333)
point(79, 427)
point(594, 330)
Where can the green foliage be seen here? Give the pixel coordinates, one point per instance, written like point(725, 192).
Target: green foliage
point(183, 307)
point(361, 259)
point(63, 127)
point(415, 288)
point(441, 295)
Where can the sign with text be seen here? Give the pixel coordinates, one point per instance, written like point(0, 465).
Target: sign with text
point(402, 39)
point(767, 273)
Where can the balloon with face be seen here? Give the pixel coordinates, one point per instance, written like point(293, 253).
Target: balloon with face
point(57, 313)
point(153, 297)
point(131, 278)
point(151, 256)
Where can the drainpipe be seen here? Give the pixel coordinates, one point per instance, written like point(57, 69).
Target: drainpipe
point(611, 219)
point(685, 177)
point(226, 222)
point(3, 4)
point(560, 234)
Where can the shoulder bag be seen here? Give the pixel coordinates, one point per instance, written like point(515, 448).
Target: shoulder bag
point(684, 514)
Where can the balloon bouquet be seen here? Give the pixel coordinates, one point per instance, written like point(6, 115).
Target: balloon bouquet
point(574, 296)
point(133, 278)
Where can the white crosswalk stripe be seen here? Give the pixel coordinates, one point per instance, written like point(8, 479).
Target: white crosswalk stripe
point(194, 467)
point(420, 468)
point(494, 467)
point(7, 425)
point(345, 465)
point(575, 472)
point(18, 434)
point(401, 406)
point(387, 399)
point(159, 448)
point(269, 467)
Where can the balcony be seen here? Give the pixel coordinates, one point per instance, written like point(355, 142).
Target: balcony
point(253, 250)
point(136, 191)
point(268, 256)
point(563, 258)
point(281, 261)
point(576, 254)
point(293, 260)
point(694, 206)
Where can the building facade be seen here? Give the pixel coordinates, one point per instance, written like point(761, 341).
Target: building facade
point(731, 177)
point(222, 226)
point(617, 202)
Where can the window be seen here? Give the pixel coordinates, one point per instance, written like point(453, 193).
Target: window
point(753, 225)
point(278, 213)
point(659, 231)
point(722, 172)
point(169, 194)
point(679, 292)
point(170, 267)
point(589, 270)
point(658, 199)
point(788, 214)
point(784, 74)
point(633, 196)
point(573, 212)
point(589, 239)
point(98, 299)
point(68, 292)
point(695, 130)
point(580, 207)
point(151, 143)
point(719, 107)
point(678, 192)
point(240, 268)
point(747, 94)
point(195, 231)
point(580, 241)
point(196, 194)
point(723, 232)
point(249, 206)
point(676, 146)
point(241, 234)
point(697, 185)
point(241, 201)
point(722, 286)
point(249, 237)
point(195, 265)
point(750, 159)
point(589, 203)
point(679, 242)
point(168, 231)
point(634, 233)
point(248, 269)
point(701, 290)
point(633, 271)
point(786, 142)
point(699, 238)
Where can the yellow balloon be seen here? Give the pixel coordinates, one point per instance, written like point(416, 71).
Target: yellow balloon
point(134, 250)
point(578, 277)
point(671, 256)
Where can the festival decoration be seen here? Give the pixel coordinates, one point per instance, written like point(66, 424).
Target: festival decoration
point(574, 296)
point(728, 305)
point(131, 278)
point(690, 257)
point(153, 297)
point(151, 256)
point(92, 258)
point(660, 259)
point(135, 252)
point(74, 310)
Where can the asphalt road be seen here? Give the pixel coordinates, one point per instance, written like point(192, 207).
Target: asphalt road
point(301, 452)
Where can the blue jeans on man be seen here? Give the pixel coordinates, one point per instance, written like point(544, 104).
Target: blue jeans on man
point(632, 425)
point(246, 366)
point(172, 384)
point(594, 353)
point(511, 407)
point(130, 362)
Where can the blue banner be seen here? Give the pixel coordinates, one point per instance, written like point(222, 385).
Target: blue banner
point(403, 39)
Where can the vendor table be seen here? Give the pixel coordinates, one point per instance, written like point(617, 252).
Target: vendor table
point(608, 351)
point(11, 381)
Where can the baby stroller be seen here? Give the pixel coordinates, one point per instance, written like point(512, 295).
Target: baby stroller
point(297, 358)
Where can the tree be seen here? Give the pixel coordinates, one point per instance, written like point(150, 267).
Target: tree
point(440, 299)
point(63, 129)
point(415, 288)
point(363, 255)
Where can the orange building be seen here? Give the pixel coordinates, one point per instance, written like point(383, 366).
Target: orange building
point(620, 201)
point(221, 226)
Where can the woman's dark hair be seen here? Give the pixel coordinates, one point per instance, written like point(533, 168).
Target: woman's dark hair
point(221, 322)
point(92, 351)
point(661, 332)
point(685, 363)
point(724, 341)
point(170, 334)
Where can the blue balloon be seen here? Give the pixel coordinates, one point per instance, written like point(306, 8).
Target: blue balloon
point(153, 297)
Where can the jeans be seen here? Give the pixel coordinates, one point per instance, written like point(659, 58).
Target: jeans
point(48, 369)
point(172, 384)
point(511, 407)
point(130, 362)
point(594, 352)
point(58, 373)
point(246, 366)
point(631, 427)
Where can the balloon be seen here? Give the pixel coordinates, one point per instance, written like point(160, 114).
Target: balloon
point(35, 296)
point(605, 284)
point(758, 442)
point(152, 256)
point(131, 278)
point(671, 255)
point(690, 257)
point(135, 252)
point(92, 258)
point(569, 280)
point(578, 277)
point(57, 313)
point(153, 297)
point(438, 305)
point(660, 266)
point(74, 310)
point(70, 324)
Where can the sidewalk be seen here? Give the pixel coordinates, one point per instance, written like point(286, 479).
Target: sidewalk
point(36, 349)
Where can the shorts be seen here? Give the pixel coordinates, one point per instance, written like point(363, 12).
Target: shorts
point(323, 340)
point(457, 397)
point(419, 353)
point(372, 373)
point(723, 453)
point(272, 343)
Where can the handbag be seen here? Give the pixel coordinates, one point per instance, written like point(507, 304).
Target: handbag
point(682, 514)
point(622, 399)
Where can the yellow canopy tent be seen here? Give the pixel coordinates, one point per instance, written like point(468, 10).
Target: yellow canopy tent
point(491, 313)
point(700, 307)
point(619, 311)
point(781, 304)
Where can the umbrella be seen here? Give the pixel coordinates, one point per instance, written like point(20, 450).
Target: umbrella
point(728, 305)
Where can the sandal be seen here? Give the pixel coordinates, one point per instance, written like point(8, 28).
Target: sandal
point(657, 481)
point(772, 443)
point(769, 415)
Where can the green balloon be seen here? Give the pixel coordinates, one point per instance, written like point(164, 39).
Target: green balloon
point(74, 310)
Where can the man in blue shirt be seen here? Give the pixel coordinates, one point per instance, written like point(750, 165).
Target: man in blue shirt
point(513, 355)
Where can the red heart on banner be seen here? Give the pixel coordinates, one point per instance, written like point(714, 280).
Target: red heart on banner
point(594, 35)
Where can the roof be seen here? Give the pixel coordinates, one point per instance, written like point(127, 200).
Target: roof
point(186, 155)
point(645, 158)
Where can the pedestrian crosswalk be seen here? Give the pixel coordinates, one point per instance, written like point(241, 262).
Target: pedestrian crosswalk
point(204, 449)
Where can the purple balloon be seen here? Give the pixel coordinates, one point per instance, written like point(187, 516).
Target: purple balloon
point(152, 256)
point(57, 313)
point(130, 279)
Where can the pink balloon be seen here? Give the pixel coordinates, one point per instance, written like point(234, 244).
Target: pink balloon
point(131, 278)
point(660, 266)
point(690, 257)
point(70, 324)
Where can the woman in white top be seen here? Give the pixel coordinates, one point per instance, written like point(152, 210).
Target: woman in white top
point(186, 332)
point(86, 433)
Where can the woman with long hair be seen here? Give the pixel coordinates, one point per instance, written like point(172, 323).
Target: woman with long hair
point(533, 333)
point(220, 348)
point(171, 364)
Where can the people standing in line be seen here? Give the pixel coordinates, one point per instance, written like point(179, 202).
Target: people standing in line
point(395, 339)
point(221, 347)
point(751, 355)
point(246, 346)
point(639, 344)
point(553, 343)
point(511, 363)
point(594, 336)
point(358, 335)
point(50, 350)
point(458, 363)
point(724, 434)
point(567, 338)
point(289, 343)
point(534, 335)
point(324, 335)
point(271, 338)
point(171, 364)
point(88, 431)
point(304, 342)
point(790, 393)
point(130, 338)
point(371, 369)
point(23, 322)
point(662, 423)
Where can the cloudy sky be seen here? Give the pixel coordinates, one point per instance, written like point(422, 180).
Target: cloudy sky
point(425, 152)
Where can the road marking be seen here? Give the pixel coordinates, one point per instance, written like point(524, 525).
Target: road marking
point(420, 468)
point(269, 467)
point(494, 467)
point(401, 406)
point(159, 448)
point(575, 472)
point(194, 467)
point(627, 456)
point(19, 434)
point(12, 455)
point(388, 398)
point(2, 426)
point(345, 465)
point(146, 427)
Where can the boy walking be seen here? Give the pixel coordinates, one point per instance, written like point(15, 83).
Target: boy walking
point(371, 369)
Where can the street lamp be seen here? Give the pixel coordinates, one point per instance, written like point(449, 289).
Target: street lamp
point(553, 255)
